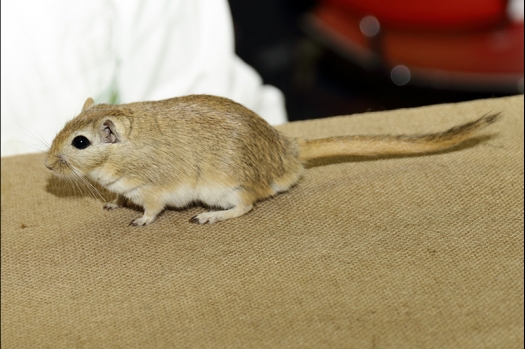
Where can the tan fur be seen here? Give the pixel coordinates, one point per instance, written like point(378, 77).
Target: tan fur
point(387, 144)
point(207, 149)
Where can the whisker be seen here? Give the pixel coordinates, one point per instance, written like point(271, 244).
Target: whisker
point(75, 184)
point(77, 180)
point(35, 135)
point(92, 189)
point(36, 146)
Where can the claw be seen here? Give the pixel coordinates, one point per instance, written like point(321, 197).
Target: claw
point(135, 224)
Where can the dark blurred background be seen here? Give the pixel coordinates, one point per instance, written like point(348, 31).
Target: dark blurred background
point(337, 57)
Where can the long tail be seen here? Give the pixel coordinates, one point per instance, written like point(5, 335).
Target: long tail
point(389, 145)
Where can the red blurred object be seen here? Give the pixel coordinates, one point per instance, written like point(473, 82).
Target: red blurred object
point(466, 44)
point(442, 14)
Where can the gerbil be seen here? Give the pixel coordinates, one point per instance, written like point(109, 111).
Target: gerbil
point(207, 149)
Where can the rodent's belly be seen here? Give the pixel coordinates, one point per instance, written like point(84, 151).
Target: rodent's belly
point(183, 195)
point(177, 195)
point(217, 195)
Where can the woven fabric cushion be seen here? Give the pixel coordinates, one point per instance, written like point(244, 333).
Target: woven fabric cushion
point(395, 252)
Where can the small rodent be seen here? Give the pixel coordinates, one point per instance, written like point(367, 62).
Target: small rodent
point(208, 149)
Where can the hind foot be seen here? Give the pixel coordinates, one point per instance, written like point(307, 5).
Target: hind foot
point(217, 216)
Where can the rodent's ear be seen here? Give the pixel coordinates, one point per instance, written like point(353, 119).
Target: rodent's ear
point(88, 104)
point(108, 132)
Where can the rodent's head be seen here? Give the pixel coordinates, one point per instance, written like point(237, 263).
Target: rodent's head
point(87, 141)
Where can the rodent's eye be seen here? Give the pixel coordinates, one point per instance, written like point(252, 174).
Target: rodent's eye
point(81, 142)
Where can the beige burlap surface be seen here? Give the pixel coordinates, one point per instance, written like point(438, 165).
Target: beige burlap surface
point(400, 252)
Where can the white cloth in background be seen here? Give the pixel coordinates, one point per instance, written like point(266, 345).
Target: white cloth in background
point(57, 53)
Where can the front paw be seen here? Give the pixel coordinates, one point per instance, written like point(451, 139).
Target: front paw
point(111, 206)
